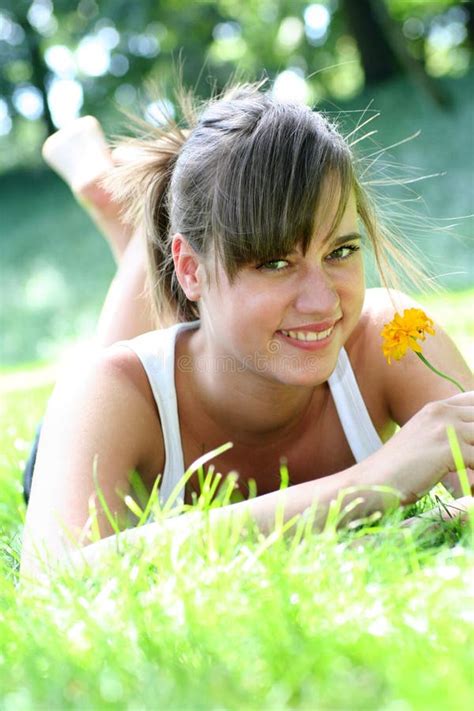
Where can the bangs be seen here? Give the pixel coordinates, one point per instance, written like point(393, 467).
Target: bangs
point(269, 188)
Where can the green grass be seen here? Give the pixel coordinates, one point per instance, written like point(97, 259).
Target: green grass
point(378, 617)
point(454, 312)
point(321, 625)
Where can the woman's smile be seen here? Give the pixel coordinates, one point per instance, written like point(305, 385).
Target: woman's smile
point(309, 338)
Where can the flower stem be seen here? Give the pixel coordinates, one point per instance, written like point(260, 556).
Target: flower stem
point(438, 372)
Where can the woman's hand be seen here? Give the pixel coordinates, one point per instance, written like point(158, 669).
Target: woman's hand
point(418, 456)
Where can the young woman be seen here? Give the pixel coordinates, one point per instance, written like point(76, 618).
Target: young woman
point(254, 220)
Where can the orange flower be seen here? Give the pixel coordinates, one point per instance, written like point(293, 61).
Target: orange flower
point(404, 332)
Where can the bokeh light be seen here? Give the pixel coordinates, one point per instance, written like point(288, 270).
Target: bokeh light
point(28, 101)
point(291, 86)
point(65, 99)
point(93, 57)
point(158, 112)
point(317, 20)
point(5, 120)
point(60, 60)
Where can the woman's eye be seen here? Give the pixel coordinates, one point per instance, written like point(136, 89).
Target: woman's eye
point(274, 265)
point(343, 252)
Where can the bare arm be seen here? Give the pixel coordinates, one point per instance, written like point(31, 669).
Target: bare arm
point(357, 485)
point(393, 475)
point(399, 472)
point(96, 419)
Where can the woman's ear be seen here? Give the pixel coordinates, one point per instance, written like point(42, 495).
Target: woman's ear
point(188, 267)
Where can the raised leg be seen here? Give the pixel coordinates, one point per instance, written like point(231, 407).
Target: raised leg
point(127, 310)
point(80, 154)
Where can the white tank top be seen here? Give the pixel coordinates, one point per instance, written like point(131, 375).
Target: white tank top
point(156, 351)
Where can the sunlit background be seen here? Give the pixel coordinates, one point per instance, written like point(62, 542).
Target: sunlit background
point(60, 59)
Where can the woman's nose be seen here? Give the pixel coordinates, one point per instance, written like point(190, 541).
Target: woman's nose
point(317, 294)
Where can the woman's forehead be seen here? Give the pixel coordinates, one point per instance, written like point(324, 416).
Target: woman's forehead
point(332, 217)
point(334, 214)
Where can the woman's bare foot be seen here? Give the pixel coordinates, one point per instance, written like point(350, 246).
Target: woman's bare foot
point(80, 154)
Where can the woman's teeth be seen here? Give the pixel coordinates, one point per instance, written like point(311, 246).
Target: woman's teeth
point(308, 335)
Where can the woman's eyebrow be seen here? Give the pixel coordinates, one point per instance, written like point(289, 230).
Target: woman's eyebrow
point(343, 239)
point(333, 242)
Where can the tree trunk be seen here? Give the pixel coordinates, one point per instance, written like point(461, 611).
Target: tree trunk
point(39, 78)
point(383, 47)
point(470, 22)
point(39, 72)
point(378, 59)
point(413, 68)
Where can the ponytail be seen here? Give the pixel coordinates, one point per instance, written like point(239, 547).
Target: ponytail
point(140, 182)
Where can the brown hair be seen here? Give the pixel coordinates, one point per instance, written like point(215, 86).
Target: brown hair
point(243, 181)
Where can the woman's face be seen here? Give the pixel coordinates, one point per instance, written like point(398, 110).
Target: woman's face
point(287, 319)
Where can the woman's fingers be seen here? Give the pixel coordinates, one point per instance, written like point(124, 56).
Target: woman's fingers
point(462, 509)
point(459, 508)
point(466, 414)
point(466, 399)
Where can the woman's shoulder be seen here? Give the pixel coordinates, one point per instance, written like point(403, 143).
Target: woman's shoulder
point(125, 366)
point(98, 427)
point(380, 306)
point(121, 360)
point(116, 377)
point(406, 385)
point(365, 343)
point(112, 369)
point(373, 374)
point(157, 344)
point(364, 347)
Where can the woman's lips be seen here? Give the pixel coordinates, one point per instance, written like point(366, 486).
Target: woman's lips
point(313, 327)
point(313, 339)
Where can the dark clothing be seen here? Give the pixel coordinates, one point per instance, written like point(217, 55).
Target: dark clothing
point(30, 465)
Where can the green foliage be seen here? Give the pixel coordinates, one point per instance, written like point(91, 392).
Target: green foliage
point(212, 40)
point(55, 269)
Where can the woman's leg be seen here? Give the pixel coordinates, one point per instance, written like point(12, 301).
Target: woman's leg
point(106, 214)
point(80, 154)
point(127, 310)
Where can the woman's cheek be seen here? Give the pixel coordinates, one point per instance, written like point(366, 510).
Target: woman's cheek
point(355, 278)
point(351, 291)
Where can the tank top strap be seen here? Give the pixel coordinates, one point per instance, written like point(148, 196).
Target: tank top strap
point(359, 429)
point(156, 351)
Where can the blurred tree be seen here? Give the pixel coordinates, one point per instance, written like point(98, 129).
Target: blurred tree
point(379, 60)
point(396, 41)
point(470, 22)
point(81, 55)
